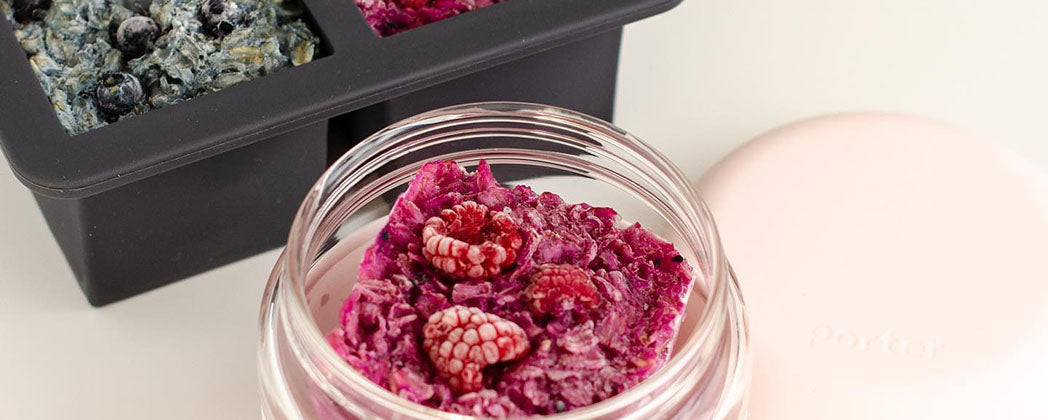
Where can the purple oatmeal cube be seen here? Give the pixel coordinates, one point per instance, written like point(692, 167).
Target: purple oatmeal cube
point(390, 17)
point(492, 301)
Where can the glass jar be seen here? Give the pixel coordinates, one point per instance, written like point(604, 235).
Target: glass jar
point(550, 149)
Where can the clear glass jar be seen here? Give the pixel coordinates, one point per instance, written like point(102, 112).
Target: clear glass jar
point(550, 149)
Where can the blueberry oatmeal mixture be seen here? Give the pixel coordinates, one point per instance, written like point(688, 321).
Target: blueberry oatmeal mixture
point(103, 60)
point(389, 17)
point(492, 301)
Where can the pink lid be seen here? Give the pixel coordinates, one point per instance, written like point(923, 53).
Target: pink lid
point(893, 268)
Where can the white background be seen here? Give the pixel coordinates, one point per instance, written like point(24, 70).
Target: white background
point(696, 82)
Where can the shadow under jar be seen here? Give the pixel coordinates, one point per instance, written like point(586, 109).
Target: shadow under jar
point(550, 149)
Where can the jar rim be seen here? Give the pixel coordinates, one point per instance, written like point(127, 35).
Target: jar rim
point(297, 260)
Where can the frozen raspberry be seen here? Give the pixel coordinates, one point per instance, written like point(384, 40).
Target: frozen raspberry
point(468, 241)
point(560, 284)
point(462, 341)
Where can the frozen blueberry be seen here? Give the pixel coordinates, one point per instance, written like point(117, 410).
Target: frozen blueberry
point(26, 10)
point(135, 35)
point(117, 94)
point(220, 17)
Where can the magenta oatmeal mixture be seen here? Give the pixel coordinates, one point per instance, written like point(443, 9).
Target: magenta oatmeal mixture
point(484, 300)
point(389, 17)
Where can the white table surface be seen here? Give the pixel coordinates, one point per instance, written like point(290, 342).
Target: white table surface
point(695, 82)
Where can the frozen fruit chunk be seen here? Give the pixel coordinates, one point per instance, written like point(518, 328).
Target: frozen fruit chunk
point(561, 285)
point(469, 241)
point(26, 10)
point(135, 34)
point(118, 93)
point(220, 17)
point(461, 341)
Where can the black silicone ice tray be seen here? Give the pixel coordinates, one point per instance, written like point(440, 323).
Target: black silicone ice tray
point(185, 188)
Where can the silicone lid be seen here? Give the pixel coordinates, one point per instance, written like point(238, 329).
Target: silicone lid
point(893, 268)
